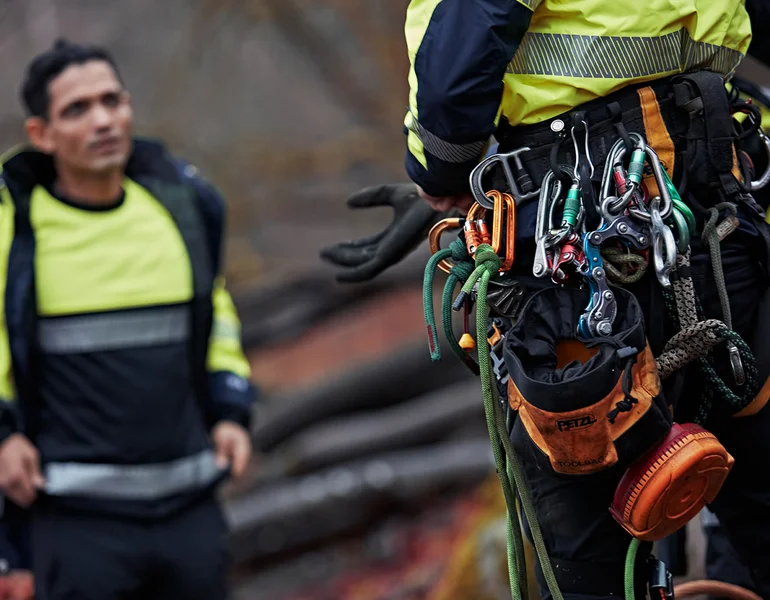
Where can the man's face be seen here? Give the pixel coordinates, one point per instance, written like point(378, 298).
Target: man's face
point(88, 129)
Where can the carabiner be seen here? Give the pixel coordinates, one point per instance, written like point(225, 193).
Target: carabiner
point(660, 178)
point(679, 204)
point(434, 238)
point(541, 266)
point(682, 229)
point(503, 235)
point(577, 151)
point(663, 245)
point(762, 181)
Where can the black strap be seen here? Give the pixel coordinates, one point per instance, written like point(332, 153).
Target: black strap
point(710, 137)
point(616, 115)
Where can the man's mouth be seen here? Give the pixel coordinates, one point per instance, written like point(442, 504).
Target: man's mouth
point(106, 145)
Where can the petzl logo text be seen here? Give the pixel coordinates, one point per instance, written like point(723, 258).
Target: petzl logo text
point(576, 423)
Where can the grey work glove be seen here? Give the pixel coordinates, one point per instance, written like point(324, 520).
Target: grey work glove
point(368, 257)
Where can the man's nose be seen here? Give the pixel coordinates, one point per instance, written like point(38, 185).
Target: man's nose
point(101, 117)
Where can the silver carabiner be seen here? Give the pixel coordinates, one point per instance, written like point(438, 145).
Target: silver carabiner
point(663, 245)
point(765, 179)
point(577, 152)
point(657, 169)
point(548, 197)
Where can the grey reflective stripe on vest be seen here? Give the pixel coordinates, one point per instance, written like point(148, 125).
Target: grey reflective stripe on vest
point(446, 151)
point(132, 482)
point(114, 331)
point(618, 57)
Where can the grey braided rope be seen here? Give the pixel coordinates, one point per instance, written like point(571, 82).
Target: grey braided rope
point(688, 345)
point(696, 339)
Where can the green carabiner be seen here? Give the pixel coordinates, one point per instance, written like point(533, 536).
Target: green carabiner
point(679, 205)
point(682, 230)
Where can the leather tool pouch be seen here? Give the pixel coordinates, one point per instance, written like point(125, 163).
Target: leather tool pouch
point(584, 407)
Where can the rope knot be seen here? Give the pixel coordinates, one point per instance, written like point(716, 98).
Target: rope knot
point(487, 257)
point(459, 251)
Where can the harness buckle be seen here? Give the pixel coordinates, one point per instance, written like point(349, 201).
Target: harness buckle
point(522, 192)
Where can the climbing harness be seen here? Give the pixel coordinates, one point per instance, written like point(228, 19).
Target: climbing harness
point(674, 468)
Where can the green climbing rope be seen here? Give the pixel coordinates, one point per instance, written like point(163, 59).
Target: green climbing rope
point(488, 264)
point(427, 302)
point(633, 547)
point(446, 308)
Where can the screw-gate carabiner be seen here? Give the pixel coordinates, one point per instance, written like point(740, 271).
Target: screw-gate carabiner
point(503, 235)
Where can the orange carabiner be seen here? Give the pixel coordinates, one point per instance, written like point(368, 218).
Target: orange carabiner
point(503, 227)
point(434, 238)
point(508, 230)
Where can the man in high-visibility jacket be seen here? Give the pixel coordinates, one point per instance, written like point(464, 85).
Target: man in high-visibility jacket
point(125, 392)
point(561, 82)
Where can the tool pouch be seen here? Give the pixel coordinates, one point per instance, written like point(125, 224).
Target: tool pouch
point(583, 406)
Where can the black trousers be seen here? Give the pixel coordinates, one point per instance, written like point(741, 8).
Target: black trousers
point(586, 546)
point(86, 556)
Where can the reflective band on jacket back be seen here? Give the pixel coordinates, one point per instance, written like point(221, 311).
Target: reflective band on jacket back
point(114, 331)
point(132, 482)
point(615, 57)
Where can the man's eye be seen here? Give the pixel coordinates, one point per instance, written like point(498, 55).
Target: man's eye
point(75, 109)
point(111, 100)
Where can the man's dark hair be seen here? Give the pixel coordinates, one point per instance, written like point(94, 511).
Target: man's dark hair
point(47, 66)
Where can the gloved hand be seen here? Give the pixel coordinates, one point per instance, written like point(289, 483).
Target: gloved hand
point(367, 257)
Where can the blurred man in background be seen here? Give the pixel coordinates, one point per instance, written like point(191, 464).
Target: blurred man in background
point(126, 394)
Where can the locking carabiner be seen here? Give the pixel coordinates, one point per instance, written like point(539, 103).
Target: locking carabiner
point(503, 235)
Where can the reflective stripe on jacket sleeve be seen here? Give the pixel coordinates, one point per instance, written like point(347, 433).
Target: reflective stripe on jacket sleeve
point(458, 52)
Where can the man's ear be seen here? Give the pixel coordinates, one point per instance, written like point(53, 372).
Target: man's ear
point(37, 131)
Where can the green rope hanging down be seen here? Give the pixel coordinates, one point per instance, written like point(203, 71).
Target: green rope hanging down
point(630, 565)
point(488, 264)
